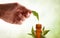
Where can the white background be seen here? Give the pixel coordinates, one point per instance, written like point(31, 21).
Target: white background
point(45, 8)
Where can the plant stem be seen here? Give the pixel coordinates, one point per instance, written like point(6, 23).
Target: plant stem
point(38, 30)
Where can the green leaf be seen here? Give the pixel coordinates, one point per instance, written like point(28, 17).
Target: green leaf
point(43, 29)
point(32, 30)
point(29, 34)
point(45, 32)
point(33, 33)
point(42, 36)
point(35, 14)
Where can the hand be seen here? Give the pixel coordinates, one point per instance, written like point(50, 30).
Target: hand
point(14, 13)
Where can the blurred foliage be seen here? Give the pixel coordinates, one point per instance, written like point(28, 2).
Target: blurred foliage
point(33, 32)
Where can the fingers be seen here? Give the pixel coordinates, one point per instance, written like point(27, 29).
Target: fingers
point(21, 15)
